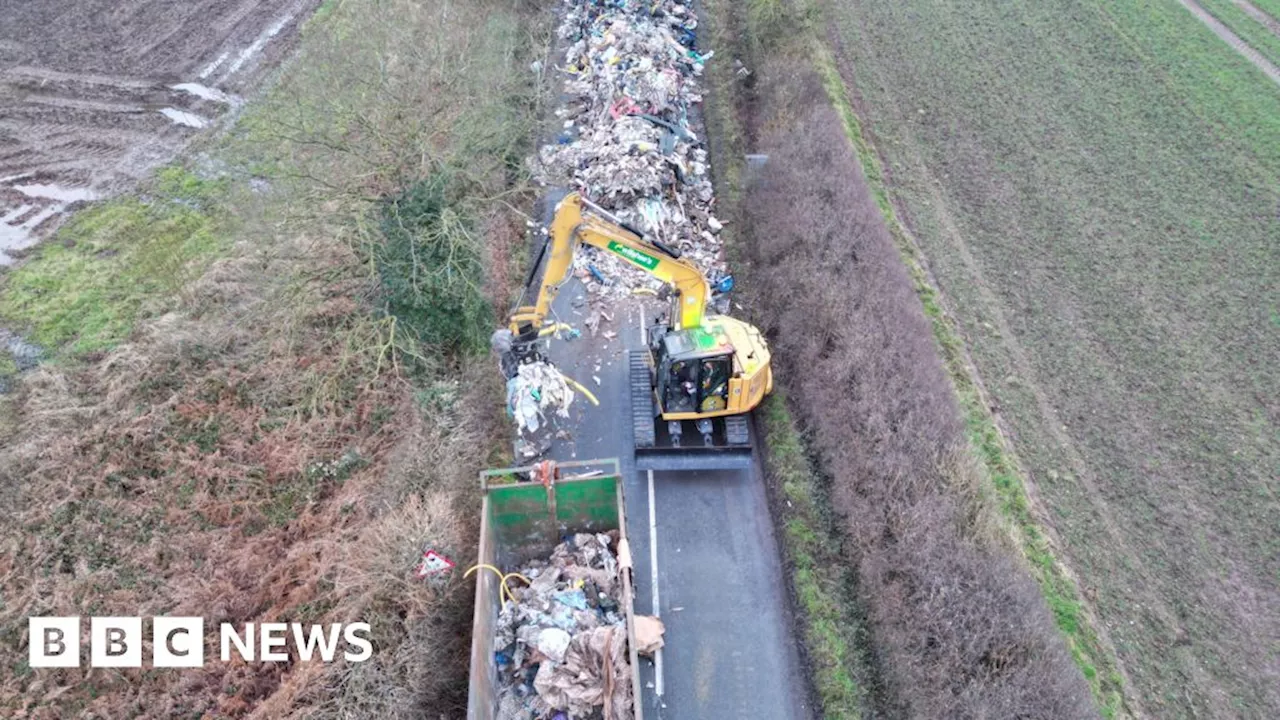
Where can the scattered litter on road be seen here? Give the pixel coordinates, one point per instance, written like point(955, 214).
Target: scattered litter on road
point(561, 644)
point(629, 141)
point(533, 390)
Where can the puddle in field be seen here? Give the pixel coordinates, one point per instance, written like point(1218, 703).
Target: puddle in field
point(31, 205)
point(14, 237)
point(60, 193)
point(258, 44)
point(25, 356)
point(182, 117)
point(217, 63)
point(18, 225)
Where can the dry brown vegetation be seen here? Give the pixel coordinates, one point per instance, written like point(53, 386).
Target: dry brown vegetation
point(267, 444)
point(957, 628)
point(210, 467)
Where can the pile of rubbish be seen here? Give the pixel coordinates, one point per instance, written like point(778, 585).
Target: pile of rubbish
point(561, 645)
point(628, 143)
point(535, 389)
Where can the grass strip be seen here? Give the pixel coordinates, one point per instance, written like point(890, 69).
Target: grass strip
point(820, 574)
point(117, 263)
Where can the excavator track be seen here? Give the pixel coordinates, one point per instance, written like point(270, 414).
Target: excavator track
point(642, 411)
point(736, 430)
point(653, 446)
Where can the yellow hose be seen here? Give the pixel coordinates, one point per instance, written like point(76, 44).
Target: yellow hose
point(504, 590)
point(579, 387)
point(551, 329)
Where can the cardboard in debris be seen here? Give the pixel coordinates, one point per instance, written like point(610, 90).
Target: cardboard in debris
point(649, 631)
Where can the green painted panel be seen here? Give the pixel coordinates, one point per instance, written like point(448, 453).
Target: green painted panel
point(520, 516)
point(590, 503)
point(644, 260)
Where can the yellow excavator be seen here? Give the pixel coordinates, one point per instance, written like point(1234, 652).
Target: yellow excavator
point(699, 369)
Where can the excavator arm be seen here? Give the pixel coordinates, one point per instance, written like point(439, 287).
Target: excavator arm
point(571, 226)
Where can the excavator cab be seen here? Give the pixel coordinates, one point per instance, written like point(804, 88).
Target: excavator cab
point(691, 393)
point(690, 378)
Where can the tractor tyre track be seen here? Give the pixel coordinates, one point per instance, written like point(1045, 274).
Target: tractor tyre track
point(1222, 31)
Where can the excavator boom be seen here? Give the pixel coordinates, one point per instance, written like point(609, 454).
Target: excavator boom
point(571, 227)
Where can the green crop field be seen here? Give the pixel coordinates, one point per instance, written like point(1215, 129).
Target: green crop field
point(1096, 187)
point(1270, 7)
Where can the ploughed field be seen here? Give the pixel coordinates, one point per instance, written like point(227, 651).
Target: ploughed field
point(95, 92)
point(1096, 186)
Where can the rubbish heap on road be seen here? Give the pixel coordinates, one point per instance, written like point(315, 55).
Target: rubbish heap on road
point(628, 142)
point(561, 646)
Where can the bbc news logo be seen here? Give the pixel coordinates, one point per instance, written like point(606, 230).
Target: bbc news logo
point(178, 642)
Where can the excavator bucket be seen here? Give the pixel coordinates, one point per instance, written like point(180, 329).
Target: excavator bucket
point(730, 447)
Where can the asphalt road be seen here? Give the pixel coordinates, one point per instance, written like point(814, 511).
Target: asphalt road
point(718, 584)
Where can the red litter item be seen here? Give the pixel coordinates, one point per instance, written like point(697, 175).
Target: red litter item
point(432, 563)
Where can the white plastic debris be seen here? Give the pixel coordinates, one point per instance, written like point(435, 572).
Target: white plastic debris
point(553, 642)
point(535, 388)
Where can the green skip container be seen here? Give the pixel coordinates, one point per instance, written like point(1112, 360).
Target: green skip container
point(525, 513)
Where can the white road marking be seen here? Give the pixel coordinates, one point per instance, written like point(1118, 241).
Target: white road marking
point(653, 576)
point(653, 546)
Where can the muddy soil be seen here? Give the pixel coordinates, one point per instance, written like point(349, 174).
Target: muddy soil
point(95, 93)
